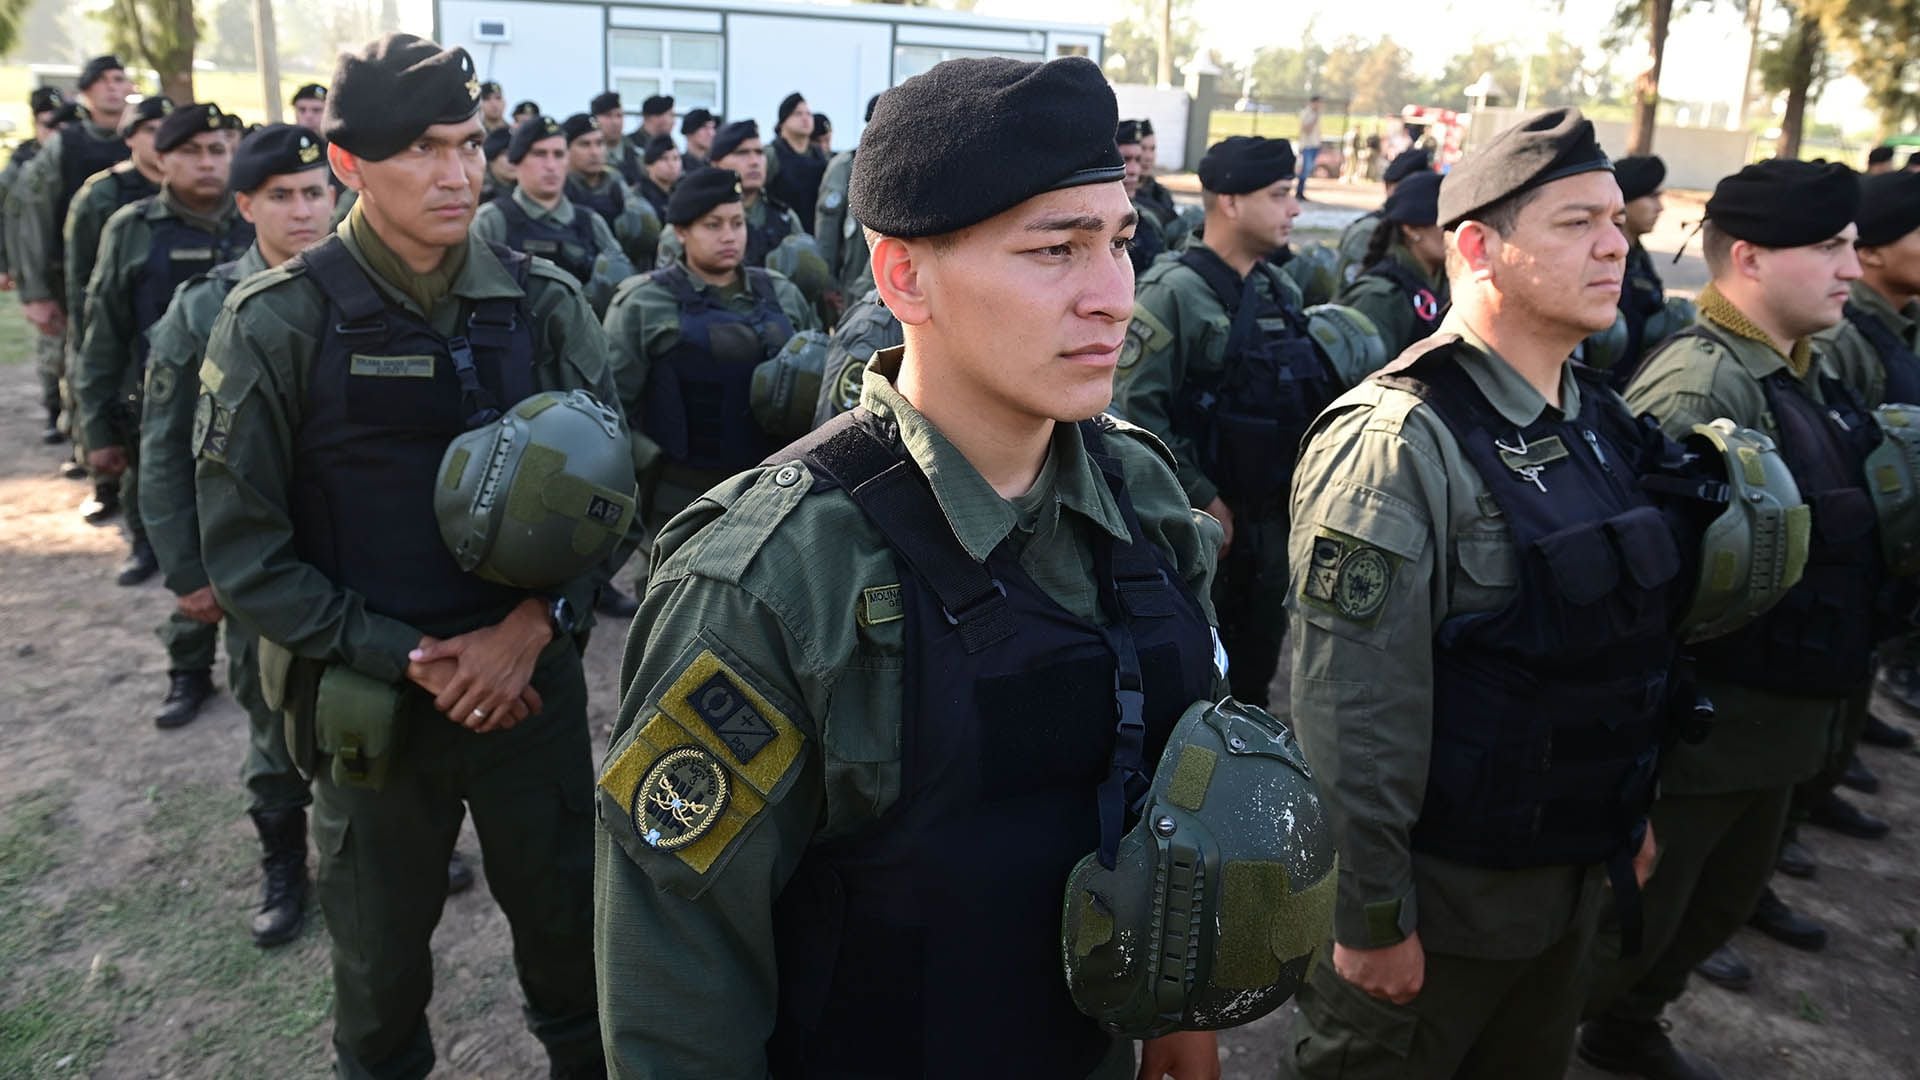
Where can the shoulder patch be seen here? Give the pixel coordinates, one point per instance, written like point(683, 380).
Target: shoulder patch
point(1145, 334)
point(1348, 577)
point(727, 545)
point(265, 281)
point(716, 747)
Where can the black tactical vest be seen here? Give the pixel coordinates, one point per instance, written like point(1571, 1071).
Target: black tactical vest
point(178, 251)
point(928, 945)
point(1427, 309)
point(655, 195)
point(1247, 420)
point(129, 187)
point(1549, 713)
point(763, 238)
point(699, 395)
point(609, 200)
point(1149, 239)
point(571, 247)
point(1641, 297)
point(797, 183)
point(385, 395)
point(82, 155)
point(1902, 366)
point(1818, 640)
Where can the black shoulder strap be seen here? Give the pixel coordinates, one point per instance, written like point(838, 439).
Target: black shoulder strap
point(516, 215)
point(1226, 285)
point(346, 287)
point(1140, 585)
point(674, 277)
point(859, 454)
point(761, 283)
point(1900, 362)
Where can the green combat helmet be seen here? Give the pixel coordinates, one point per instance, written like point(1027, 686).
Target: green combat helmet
point(1607, 349)
point(798, 259)
point(1217, 897)
point(786, 387)
point(1676, 315)
point(1348, 339)
point(1756, 549)
point(539, 495)
point(1315, 268)
point(1893, 480)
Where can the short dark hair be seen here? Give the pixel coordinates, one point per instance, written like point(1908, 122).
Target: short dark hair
point(1880, 155)
point(1502, 216)
point(1716, 246)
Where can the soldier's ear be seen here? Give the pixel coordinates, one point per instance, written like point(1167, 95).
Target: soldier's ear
point(1474, 244)
point(345, 166)
point(897, 274)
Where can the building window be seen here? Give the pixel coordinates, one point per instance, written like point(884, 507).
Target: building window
point(911, 60)
point(1070, 50)
point(641, 63)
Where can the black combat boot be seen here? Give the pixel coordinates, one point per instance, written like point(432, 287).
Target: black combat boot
point(141, 563)
point(186, 692)
point(283, 867)
point(1859, 777)
point(1772, 917)
point(1639, 1048)
point(102, 505)
point(1880, 733)
point(587, 1070)
point(52, 435)
point(1836, 813)
point(1726, 969)
point(1795, 860)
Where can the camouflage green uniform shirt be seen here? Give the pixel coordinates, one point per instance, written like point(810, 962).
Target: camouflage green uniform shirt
point(1853, 357)
point(36, 239)
point(610, 264)
point(783, 591)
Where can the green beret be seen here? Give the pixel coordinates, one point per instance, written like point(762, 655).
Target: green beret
point(1889, 207)
point(573, 127)
point(388, 94)
point(729, 138)
point(1780, 203)
point(275, 150)
point(1415, 200)
point(1045, 126)
point(1239, 164)
point(695, 196)
point(530, 131)
point(187, 121)
point(1543, 148)
point(97, 67)
point(1639, 175)
point(146, 109)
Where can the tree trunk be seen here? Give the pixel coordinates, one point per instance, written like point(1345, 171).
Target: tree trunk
point(1805, 56)
point(176, 69)
point(266, 55)
point(1164, 76)
point(1646, 87)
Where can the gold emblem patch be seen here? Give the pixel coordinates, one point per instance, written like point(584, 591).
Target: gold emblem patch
point(309, 153)
point(1348, 577)
point(681, 798)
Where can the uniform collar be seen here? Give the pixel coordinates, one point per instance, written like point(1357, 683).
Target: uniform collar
point(1510, 394)
point(979, 517)
point(480, 276)
point(1752, 347)
point(250, 263)
point(167, 205)
point(561, 214)
point(1902, 321)
point(580, 178)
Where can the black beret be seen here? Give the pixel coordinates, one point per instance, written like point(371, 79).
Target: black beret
point(1543, 148)
point(867, 117)
point(1639, 175)
point(526, 108)
point(1239, 164)
point(530, 131)
point(1415, 200)
point(275, 150)
point(1146, 128)
point(695, 196)
point(148, 108)
point(1045, 126)
point(694, 120)
point(1127, 133)
point(1879, 154)
point(45, 99)
point(312, 91)
point(97, 67)
point(65, 114)
point(787, 105)
point(1889, 207)
point(657, 104)
point(1408, 163)
point(821, 125)
point(577, 125)
point(187, 121)
point(605, 101)
point(232, 122)
point(489, 88)
point(497, 141)
point(389, 93)
point(729, 138)
point(658, 147)
point(1779, 203)
point(1913, 160)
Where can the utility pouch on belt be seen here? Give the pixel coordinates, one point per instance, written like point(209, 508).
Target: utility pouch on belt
point(287, 686)
point(354, 720)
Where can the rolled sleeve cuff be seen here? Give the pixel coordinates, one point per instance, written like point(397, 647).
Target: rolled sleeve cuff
point(384, 654)
point(1376, 924)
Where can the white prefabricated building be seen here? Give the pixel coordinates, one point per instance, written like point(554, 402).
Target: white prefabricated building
point(737, 58)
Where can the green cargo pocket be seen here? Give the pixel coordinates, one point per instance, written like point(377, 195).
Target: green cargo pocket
point(1350, 1032)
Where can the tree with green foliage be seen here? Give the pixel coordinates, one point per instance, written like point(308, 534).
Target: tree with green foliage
point(1881, 41)
point(161, 34)
point(1133, 42)
point(1651, 17)
point(1795, 63)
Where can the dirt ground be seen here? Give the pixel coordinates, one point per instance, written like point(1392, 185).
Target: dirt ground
point(127, 862)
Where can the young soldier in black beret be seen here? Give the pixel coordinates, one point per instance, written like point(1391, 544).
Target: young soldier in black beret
point(1355, 237)
point(611, 119)
point(500, 171)
point(1152, 193)
point(1149, 239)
point(148, 249)
point(310, 107)
point(526, 109)
point(279, 180)
point(1643, 298)
point(794, 165)
point(737, 147)
point(656, 119)
point(812, 780)
point(44, 102)
point(1404, 288)
point(331, 388)
point(592, 185)
point(698, 128)
point(662, 162)
point(536, 218)
point(493, 108)
point(1787, 686)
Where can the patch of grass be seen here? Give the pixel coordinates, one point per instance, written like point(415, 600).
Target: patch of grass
point(110, 961)
point(1910, 937)
point(16, 337)
point(1810, 1010)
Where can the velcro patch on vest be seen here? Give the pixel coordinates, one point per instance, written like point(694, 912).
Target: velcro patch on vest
point(1145, 333)
point(881, 604)
point(724, 705)
point(1532, 455)
point(392, 367)
point(199, 254)
point(1348, 577)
